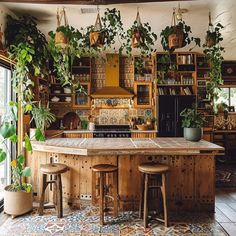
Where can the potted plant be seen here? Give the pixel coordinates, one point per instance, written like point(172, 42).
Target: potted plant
point(213, 51)
point(177, 36)
point(42, 118)
point(192, 123)
point(18, 197)
point(140, 36)
point(213, 34)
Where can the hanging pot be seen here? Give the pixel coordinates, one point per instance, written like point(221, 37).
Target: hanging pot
point(210, 39)
point(137, 38)
point(60, 37)
point(175, 39)
point(97, 39)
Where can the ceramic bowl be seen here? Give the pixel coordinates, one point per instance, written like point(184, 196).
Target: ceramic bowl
point(67, 90)
point(55, 99)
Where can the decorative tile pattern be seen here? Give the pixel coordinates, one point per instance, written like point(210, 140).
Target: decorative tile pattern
point(85, 222)
point(113, 116)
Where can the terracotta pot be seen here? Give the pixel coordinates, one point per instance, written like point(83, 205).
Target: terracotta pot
point(137, 38)
point(17, 203)
point(97, 39)
point(61, 39)
point(175, 40)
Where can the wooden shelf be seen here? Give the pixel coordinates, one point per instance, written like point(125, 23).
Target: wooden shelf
point(174, 85)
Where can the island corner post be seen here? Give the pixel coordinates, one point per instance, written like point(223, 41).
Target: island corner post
point(190, 181)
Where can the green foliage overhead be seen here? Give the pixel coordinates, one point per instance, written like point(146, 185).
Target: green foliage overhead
point(192, 118)
point(187, 38)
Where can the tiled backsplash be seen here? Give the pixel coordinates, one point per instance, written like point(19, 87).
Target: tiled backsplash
point(113, 116)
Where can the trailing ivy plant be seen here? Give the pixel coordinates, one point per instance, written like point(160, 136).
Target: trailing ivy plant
point(180, 28)
point(148, 38)
point(63, 57)
point(213, 53)
point(112, 28)
point(27, 46)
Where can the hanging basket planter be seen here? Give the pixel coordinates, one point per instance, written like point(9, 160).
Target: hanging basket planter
point(211, 35)
point(97, 36)
point(137, 38)
point(175, 39)
point(60, 37)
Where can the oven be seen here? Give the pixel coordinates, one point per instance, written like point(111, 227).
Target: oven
point(112, 131)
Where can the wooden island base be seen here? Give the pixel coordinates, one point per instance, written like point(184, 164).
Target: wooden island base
point(190, 181)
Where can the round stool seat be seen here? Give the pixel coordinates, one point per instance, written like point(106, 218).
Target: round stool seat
point(153, 168)
point(53, 168)
point(104, 168)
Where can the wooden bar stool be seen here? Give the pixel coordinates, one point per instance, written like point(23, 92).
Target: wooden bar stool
point(55, 169)
point(156, 170)
point(104, 170)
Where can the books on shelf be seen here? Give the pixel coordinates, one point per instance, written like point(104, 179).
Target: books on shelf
point(187, 91)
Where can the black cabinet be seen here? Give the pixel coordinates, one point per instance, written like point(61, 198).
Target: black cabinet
point(169, 108)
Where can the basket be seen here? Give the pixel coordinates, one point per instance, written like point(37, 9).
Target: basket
point(142, 127)
point(175, 40)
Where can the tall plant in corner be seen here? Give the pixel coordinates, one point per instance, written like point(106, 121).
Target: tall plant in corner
point(213, 51)
point(28, 48)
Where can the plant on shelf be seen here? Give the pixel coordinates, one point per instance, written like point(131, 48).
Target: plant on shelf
point(177, 35)
point(27, 46)
point(213, 51)
point(42, 118)
point(192, 122)
point(140, 36)
point(18, 195)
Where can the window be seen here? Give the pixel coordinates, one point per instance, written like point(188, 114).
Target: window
point(5, 91)
point(228, 96)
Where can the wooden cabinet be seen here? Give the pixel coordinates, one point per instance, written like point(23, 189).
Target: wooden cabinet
point(143, 94)
point(147, 134)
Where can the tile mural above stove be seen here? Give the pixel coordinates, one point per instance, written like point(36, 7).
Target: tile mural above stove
point(113, 116)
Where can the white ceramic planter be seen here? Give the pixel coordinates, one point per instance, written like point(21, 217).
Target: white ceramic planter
point(17, 203)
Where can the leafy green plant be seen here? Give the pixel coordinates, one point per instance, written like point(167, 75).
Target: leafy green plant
point(213, 52)
point(183, 31)
point(42, 117)
point(8, 132)
point(27, 46)
point(63, 58)
point(142, 32)
point(192, 118)
point(112, 28)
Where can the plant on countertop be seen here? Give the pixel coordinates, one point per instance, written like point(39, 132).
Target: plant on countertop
point(192, 118)
point(43, 118)
point(27, 46)
point(178, 35)
point(8, 133)
point(140, 36)
point(213, 51)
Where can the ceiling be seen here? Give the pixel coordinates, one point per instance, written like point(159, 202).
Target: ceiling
point(158, 14)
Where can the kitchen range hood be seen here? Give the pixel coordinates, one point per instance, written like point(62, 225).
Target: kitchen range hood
point(112, 87)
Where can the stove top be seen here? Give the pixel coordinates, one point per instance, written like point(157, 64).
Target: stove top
point(112, 131)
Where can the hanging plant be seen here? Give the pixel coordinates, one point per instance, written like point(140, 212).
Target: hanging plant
point(63, 54)
point(213, 35)
point(140, 36)
point(177, 35)
point(213, 51)
point(27, 46)
point(102, 35)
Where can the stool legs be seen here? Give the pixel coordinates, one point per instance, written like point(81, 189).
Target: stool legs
point(59, 196)
point(115, 193)
point(44, 186)
point(57, 192)
point(94, 186)
point(101, 199)
point(145, 210)
point(163, 191)
point(141, 196)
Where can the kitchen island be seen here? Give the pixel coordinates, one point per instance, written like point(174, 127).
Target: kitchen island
point(190, 184)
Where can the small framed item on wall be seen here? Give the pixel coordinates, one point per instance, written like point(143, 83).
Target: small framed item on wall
point(201, 83)
point(228, 70)
point(231, 109)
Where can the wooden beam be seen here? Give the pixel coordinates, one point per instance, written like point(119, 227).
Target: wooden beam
point(89, 2)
